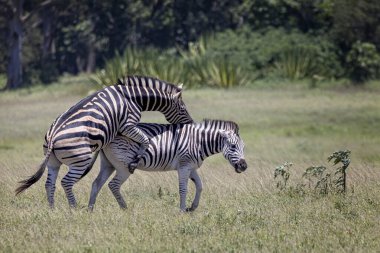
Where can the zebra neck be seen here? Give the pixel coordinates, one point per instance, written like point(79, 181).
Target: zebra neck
point(210, 143)
point(154, 102)
point(149, 99)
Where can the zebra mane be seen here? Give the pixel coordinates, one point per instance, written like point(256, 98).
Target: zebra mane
point(147, 81)
point(227, 125)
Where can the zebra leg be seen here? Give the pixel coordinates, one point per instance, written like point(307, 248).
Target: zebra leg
point(133, 132)
point(137, 160)
point(183, 178)
point(115, 184)
point(106, 169)
point(77, 169)
point(53, 169)
point(198, 190)
point(68, 182)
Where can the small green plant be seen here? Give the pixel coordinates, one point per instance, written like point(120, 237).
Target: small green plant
point(317, 178)
point(342, 156)
point(282, 173)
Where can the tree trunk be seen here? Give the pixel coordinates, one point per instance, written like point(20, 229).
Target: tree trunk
point(91, 58)
point(91, 47)
point(47, 29)
point(80, 64)
point(14, 70)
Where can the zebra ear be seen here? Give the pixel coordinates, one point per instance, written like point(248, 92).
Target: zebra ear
point(180, 86)
point(225, 133)
point(178, 94)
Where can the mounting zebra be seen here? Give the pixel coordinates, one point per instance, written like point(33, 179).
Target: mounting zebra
point(173, 147)
point(93, 122)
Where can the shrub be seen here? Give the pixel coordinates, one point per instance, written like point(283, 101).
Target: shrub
point(193, 67)
point(197, 62)
point(320, 179)
point(297, 63)
point(148, 62)
point(260, 51)
point(206, 68)
point(341, 156)
point(166, 68)
point(363, 62)
point(224, 74)
point(113, 70)
point(282, 174)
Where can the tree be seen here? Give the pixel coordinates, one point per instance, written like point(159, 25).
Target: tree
point(356, 20)
point(356, 29)
point(17, 20)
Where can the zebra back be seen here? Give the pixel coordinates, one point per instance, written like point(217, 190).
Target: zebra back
point(194, 141)
point(151, 83)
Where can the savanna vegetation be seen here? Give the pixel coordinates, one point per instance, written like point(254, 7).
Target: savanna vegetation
point(300, 77)
point(246, 40)
point(238, 212)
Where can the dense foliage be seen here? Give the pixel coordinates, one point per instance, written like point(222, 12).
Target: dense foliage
point(285, 38)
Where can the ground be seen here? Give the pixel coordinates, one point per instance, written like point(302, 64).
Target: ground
point(238, 212)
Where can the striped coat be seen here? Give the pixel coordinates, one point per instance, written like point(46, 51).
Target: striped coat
point(93, 122)
point(173, 147)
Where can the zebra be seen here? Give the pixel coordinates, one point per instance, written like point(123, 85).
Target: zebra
point(181, 147)
point(93, 122)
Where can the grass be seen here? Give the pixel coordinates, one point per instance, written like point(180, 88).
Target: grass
point(238, 212)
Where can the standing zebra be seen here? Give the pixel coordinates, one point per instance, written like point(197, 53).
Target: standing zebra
point(94, 122)
point(173, 147)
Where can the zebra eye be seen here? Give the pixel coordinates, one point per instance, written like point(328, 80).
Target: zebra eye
point(233, 146)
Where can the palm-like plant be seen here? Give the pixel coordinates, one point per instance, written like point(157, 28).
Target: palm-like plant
point(297, 63)
point(113, 70)
point(163, 66)
point(193, 67)
point(226, 75)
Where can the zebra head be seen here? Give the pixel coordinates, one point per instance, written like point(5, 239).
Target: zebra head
point(233, 149)
point(176, 111)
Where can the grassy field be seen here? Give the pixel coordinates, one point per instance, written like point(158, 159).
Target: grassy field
point(238, 212)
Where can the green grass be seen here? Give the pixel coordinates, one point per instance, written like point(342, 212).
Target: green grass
point(238, 212)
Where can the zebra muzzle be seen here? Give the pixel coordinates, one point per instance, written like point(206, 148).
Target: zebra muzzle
point(241, 166)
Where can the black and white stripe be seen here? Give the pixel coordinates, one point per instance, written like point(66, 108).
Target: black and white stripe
point(181, 147)
point(93, 122)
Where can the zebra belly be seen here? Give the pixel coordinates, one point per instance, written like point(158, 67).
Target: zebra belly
point(122, 151)
point(162, 167)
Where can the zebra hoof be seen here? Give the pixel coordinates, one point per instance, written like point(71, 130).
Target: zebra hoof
point(131, 168)
point(186, 210)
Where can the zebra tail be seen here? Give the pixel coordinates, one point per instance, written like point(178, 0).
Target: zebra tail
point(25, 184)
